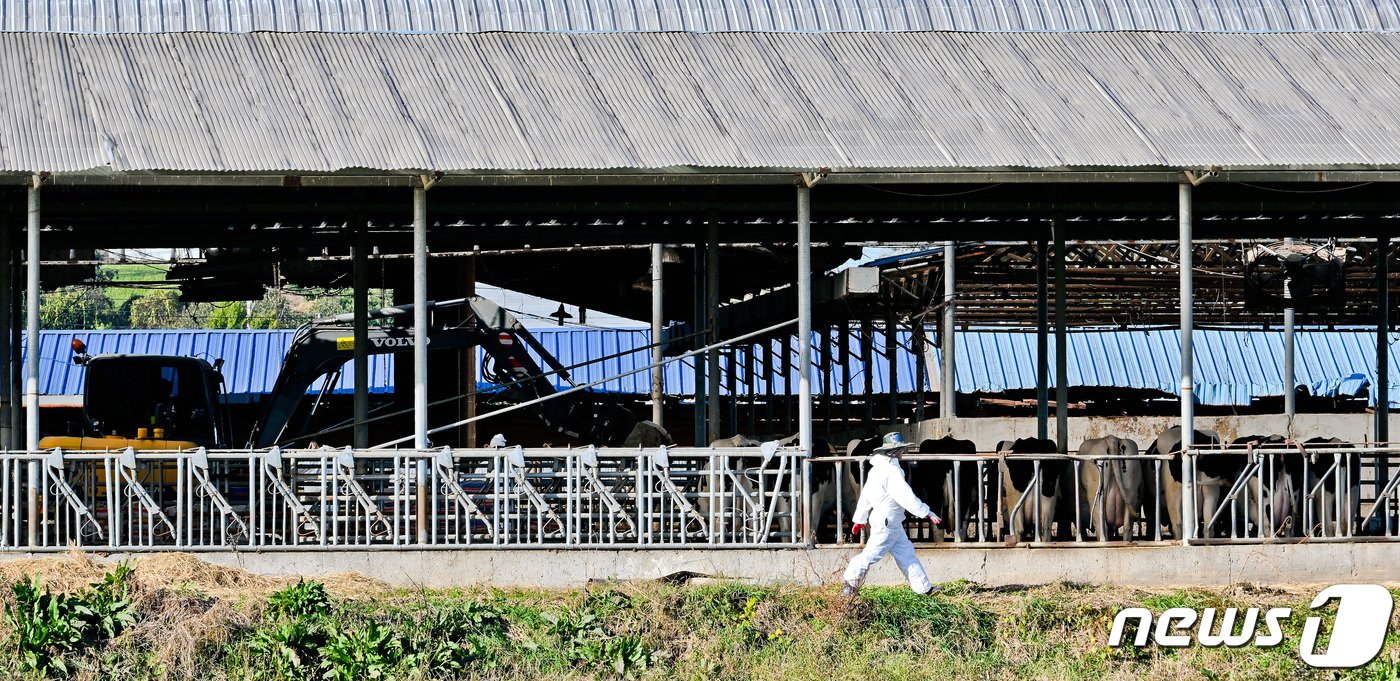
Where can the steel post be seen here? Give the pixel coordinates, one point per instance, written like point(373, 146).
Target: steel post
point(1186, 296)
point(1382, 428)
point(804, 318)
point(420, 352)
point(712, 402)
point(31, 291)
point(1042, 341)
point(360, 275)
point(33, 259)
point(7, 398)
point(948, 397)
point(804, 345)
point(1057, 225)
point(658, 320)
point(701, 320)
point(1290, 383)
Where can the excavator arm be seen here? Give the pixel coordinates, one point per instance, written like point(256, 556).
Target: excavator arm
point(322, 348)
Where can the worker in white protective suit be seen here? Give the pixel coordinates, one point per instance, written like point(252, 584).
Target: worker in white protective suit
point(884, 500)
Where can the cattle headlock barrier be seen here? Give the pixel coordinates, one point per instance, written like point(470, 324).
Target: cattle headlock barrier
point(767, 497)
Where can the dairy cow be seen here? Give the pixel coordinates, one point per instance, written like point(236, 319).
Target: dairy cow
point(933, 482)
point(1111, 490)
point(1165, 503)
point(1339, 474)
point(1018, 475)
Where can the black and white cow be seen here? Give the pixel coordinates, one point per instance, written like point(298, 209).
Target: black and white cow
point(1337, 468)
point(933, 482)
point(1017, 476)
point(1169, 496)
point(1111, 490)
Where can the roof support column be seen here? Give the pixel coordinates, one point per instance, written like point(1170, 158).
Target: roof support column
point(1290, 393)
point(420, 352)
point(712, 402)
point(658, 320)
point(31, 290)
point(360, 276)
point(1382, 426)
point(1042, 340)
point(702, 392)
point(1186, 297)
point(31, 384)
point(804, 317)
point(1057, 229)
point(7, 283)
point(420, 318)
point(804, 350)
point(948, 397)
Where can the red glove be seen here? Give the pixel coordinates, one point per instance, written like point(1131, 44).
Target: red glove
point(857, 528)
point(935, 519)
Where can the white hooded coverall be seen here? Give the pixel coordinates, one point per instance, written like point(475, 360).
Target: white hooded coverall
point(883, 501)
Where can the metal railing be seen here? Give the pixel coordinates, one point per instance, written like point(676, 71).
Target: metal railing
point(1296, 491)
point(1266, 493)
point(339, 498)
point(674, 497)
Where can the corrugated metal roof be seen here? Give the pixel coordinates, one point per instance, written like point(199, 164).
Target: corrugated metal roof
point(656, 101)
point(252, 359)
point(470, 16)
point(1232, 367)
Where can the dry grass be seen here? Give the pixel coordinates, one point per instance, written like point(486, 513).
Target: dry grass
point(196, 616)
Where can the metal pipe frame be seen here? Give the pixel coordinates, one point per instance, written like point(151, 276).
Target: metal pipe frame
point(658, 322)
point(337, 499)
point(804, 349)
point(1188, 378)
point(1057, 228)
point(948, 397)
point(1290, 381)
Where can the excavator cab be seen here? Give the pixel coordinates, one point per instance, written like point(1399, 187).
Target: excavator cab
point(148, 402)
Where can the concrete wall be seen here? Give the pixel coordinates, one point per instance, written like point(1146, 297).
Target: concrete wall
point(1157, 565)
point(986, 432)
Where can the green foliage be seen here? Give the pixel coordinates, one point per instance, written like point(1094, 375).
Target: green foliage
point(285, 650)
point(958, 624)
point(368, 651)
point(77, 307)
point(582, 636)
point(227, 315)
point(159, 309)
point(300, 600)
point(46, 627)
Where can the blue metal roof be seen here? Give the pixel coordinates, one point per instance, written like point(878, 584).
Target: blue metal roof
point(1232, 367)
point(252, 359)
point(566, 16)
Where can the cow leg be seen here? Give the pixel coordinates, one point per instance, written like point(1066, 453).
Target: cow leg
point(1171, 500)
point(823, 500)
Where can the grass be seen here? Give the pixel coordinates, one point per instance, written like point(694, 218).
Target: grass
point(130, 273)
point(192, 620)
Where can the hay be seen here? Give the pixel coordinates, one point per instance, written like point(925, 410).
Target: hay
point(177, 570)
point(68, 571)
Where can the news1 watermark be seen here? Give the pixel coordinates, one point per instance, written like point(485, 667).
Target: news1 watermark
point(1358, 629)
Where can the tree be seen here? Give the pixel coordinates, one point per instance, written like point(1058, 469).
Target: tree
point(228, 315)
point(77, 307)
point(159, 309)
